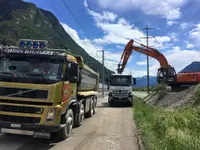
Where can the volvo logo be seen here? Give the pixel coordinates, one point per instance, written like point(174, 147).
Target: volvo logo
point(20, 92)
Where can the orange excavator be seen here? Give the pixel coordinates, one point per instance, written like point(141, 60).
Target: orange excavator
point(166, 73)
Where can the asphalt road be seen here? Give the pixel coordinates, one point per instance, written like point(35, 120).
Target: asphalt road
point(109, 129)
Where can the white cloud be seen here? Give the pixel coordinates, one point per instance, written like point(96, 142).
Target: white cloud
point(185, 25)
point(85, 3)
point(175, 49)
point(141, 63)
point(134, 72)
point(190, 45)
point(105, 16)
point(111, 59)
point(169, 9)
point(120, 47)
point(116, 30)
point(170, 23)
point(174, 36)
point(84, 43)
point(160, 42)
point(117, 33)
point(123, 21)
point(194, 35)
point(121, 31)
point(182, 58)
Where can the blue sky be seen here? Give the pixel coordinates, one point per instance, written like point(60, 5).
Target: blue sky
point(110, 24)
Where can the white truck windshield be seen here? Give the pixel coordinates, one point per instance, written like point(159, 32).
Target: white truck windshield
point(120, 81)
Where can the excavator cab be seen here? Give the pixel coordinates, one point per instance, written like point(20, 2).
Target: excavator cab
point(166, 75)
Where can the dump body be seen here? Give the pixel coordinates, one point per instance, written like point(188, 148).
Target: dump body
point(89, 79)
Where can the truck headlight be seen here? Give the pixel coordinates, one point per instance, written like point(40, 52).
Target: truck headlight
point(51, 114)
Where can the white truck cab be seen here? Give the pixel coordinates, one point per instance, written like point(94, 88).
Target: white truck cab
point(120, 89)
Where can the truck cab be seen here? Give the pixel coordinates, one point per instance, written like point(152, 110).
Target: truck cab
point(120, 89)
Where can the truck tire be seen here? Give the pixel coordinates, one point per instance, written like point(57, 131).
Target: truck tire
point(91, 110)
point(94, 105)
point(81, 115)
point(95, 98)
point(131, 104)
point(65, 132)
point(110, 103)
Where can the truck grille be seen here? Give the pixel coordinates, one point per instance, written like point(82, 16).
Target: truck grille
point(120, 93)
point(19, 119)
point(21, 109)
point(23, 93)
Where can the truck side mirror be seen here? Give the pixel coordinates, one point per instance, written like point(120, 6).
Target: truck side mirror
point(134, 81)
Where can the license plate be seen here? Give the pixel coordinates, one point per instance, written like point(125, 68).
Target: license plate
point(15, 125)
point(41, 135)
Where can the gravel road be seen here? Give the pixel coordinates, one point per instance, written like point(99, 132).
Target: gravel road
point(109, 129)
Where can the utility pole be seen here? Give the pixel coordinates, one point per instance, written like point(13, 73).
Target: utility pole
point(147, 41)
point(102, 72)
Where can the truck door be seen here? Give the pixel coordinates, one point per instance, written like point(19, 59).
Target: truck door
point(70, 80)
point(71, 72)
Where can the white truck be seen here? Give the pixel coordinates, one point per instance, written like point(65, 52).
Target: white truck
point(120, 89)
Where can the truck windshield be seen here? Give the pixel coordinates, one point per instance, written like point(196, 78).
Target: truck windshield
point(120, 81)
point(30, 70)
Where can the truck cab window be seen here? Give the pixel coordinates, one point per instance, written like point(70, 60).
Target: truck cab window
point(71, 72)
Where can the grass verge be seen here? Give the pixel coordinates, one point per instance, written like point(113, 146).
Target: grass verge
point(163, 129)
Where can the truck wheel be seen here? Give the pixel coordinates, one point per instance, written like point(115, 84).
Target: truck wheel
point(66, 131)
point(95, 99)
point(91, 110)
point(110, 103)
point(94, 108)
point(131, 104)
point(81, 116)
point(94, 105)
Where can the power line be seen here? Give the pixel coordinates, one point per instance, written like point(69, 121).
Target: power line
point(179, 5)
point(78, 23)
point(157, 3)
point(189, 6)
point(90, 42)
point(184, 13)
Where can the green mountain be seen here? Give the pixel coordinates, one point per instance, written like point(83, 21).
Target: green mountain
point(20, 20)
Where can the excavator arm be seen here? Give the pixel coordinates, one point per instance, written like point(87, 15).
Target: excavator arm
point(146, 50)
point(166, 73)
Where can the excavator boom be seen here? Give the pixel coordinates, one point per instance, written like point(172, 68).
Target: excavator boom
point(146, 50)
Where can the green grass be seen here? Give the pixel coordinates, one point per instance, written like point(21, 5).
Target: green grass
point(163, 129)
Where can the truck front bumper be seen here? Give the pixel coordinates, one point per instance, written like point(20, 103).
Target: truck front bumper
point(128, 99)
point(38, 131)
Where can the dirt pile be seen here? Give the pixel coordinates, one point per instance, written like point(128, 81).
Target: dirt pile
point(173, 99)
